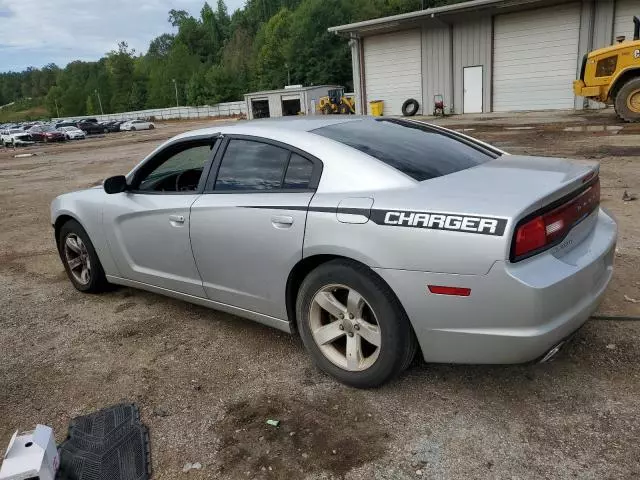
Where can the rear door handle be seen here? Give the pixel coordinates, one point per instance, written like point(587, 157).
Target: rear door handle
point(176, 219)
point(282, 221)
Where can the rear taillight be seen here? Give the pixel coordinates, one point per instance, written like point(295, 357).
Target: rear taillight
point(550, 226)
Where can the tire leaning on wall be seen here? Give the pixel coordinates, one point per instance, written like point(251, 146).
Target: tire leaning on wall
point(410, 107)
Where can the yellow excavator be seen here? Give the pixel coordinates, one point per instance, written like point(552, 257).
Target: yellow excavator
point(612, 75)
point(336, 102)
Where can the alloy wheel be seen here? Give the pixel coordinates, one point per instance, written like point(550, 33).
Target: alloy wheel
point(633, 101)
point(77, 258)
point(345, 328)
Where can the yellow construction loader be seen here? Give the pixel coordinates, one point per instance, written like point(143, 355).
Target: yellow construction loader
point(612, 75)
point(336, 102)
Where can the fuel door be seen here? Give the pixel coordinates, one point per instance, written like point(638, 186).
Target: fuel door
point(354, 210)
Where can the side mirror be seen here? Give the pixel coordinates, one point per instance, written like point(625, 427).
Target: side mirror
point(117, 184)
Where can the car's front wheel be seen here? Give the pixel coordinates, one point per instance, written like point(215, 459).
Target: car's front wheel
point(80, 259)
point(353, 326)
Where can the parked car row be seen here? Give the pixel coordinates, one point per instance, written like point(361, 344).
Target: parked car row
point(29, 132)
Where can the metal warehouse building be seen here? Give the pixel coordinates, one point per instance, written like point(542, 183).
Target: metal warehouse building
point(483, 55)
point(292, 100)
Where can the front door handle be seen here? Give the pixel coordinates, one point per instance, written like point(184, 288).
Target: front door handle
point(282, 221)
point(176, 219)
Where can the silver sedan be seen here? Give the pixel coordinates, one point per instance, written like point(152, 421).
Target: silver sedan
point(370, 238)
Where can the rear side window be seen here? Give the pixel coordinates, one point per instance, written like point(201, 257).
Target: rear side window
point(419, 151)
point(298, 174)
point(249, 165)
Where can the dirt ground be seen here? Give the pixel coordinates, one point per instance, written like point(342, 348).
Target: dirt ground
point(207, 381)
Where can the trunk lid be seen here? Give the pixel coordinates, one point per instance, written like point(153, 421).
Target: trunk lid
point(510, 187)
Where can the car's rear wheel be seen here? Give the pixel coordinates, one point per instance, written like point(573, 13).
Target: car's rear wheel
point(353, 326)
point(133, 129)
point(151, 127)
point(80, 260)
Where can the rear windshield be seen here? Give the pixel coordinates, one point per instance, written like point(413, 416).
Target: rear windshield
point(417, 150)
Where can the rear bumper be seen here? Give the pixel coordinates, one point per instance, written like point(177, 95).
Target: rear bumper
point(516, 312)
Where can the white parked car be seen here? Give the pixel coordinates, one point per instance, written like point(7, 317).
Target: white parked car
point(14, 137)
point(73, 133)
point(133, 125)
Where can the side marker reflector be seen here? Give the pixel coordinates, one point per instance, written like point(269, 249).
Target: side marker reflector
point(456, 291)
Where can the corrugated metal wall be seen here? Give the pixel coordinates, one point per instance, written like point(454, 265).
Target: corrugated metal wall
point(603, 23)
point(436, 66)
point(472, 46)
point(447, 50)
point(623, 20)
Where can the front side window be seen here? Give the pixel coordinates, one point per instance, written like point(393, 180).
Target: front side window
point(180, 172)
point(250, 165)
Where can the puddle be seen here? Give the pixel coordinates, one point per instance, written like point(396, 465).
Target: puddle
point(613, 129)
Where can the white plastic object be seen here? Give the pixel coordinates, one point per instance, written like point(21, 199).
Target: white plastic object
point(31, 454)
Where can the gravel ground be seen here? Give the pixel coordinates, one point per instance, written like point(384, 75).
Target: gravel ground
point(207, 381)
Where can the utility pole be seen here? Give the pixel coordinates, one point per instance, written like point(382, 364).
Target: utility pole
point(57, 109)
point(99, 101)
point(288, 74)
point(175, 85)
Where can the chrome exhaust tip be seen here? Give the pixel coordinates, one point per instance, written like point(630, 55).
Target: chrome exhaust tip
point(553, 352)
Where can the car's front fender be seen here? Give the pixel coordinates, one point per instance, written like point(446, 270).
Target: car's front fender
point(86, 207)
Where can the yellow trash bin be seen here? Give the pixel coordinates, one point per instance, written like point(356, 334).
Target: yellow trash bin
point(376, 107)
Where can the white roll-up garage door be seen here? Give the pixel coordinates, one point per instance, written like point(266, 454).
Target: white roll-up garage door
point(536, 58)
point(623, 20)
point(393, 69)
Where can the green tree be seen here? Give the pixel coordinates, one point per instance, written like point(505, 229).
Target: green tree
point(53, 100)
point(120, 66)
point(91, 109)
point(272, 43)
point(213, 57)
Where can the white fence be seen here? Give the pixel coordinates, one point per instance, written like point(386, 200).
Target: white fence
point(207, 111)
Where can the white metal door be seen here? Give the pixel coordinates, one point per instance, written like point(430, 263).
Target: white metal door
point(536, 58)
point(623, 21)
point(472, 84)
point(393, 69)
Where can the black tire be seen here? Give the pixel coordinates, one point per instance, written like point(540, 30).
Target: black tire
point(630, 88)
point(105, 131)
point(398, 345)
point(410, 107)
point(326, 109)
point(133, 129)
point(151, 127)
point(97, 280)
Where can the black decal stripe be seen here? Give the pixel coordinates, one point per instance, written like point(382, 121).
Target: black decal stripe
point(379, 216)
point(350, 211)
point(399, 218)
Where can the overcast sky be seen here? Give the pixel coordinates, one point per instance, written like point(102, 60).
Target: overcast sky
point(38, 32)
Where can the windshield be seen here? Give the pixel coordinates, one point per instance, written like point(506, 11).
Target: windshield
point(418, 150)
